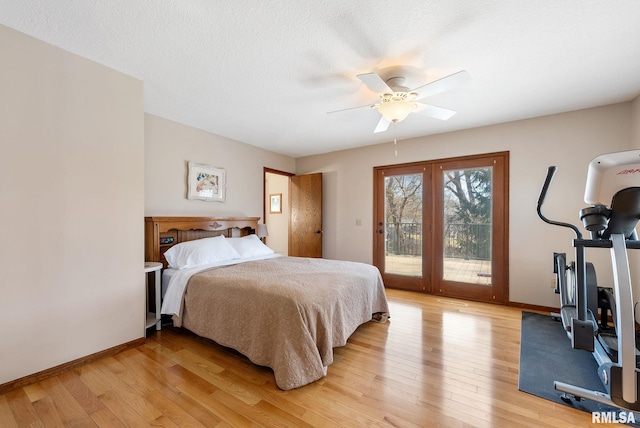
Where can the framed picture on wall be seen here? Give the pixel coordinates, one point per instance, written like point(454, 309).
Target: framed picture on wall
point(275, 206)
point(205, 183)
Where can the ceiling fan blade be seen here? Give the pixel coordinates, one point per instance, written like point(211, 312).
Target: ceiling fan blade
point(443, 84)
point(383, 125)
point(434, 111)
point(375, 83)
point(351, 108)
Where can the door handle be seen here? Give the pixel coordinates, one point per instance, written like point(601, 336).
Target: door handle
point(380, 230)
point(318, 232)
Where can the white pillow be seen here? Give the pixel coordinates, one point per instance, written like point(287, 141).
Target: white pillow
point(200, 252)
point(249, 246)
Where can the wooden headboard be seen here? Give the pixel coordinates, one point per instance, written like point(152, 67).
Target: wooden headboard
point(161, 233)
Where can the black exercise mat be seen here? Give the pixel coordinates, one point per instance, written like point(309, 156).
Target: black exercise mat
point(546, 356)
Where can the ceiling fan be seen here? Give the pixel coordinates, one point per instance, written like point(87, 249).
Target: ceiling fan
point(397, 101)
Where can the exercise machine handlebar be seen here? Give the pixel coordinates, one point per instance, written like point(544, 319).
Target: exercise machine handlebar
point(581, 279)
point(551, 171)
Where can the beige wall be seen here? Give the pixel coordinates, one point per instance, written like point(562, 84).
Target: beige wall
point(72, 198)
point(169, 146)
point(278, 224)
point(635, 143)
point(567, 140)
point(635, 123)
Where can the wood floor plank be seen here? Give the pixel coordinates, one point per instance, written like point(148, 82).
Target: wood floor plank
point(260, 413)
point(160, 400)
point(124, 413)
point(126, 394)
point(211, 372)
point(91, 377)
point(69, 409)
point(343, 408)
point(220, 410)
point(104, 418)
point(22, 409)
point(397, 408)
point(35, 392)
point(48, 413)
point(6, 415)
point(80, 392)
point(152, 375)
point(438, 362)
point(156, 352)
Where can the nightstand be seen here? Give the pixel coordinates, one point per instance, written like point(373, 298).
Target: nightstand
point(152, 318)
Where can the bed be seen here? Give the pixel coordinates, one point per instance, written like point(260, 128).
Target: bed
point(286, 313)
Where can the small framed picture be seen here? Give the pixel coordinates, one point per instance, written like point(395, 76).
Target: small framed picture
point(205, 183)
point(276, 203)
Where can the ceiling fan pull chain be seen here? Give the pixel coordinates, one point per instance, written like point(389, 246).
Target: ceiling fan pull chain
point(395, 140)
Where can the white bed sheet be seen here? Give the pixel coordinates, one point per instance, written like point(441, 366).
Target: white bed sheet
point(177, 280)
point(166, 277)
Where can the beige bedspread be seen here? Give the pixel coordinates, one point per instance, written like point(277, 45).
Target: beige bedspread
point(286, 313)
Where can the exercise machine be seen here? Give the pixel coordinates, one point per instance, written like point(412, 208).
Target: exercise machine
point(613, 194)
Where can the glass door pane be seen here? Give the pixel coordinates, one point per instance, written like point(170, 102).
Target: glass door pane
point(466, 228)
point(403, 224)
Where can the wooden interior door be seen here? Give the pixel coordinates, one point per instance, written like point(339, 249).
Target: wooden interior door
point(305, 216)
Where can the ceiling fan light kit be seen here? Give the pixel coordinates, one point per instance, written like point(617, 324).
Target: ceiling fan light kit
point(395, 109)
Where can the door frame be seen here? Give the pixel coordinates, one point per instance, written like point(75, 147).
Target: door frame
point(310, 202)
point(429, 283)
point(265, 196)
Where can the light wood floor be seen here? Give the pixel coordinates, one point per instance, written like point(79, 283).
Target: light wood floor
point(437, 362)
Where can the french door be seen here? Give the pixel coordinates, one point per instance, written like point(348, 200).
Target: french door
point(442, 226)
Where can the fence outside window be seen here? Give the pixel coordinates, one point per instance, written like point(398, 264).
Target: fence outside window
point(461, 240)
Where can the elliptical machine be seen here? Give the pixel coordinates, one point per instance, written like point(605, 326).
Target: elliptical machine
point(611, 177)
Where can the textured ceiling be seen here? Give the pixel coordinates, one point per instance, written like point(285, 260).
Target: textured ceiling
point(266, 73)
